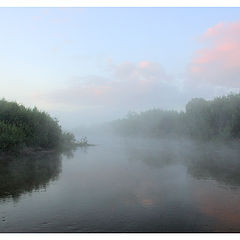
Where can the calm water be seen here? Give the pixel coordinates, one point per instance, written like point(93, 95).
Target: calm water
point(124, 186)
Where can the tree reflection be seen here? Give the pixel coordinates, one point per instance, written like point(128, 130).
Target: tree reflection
point(156, 153)
point(28, 173)
point(220, 163)
point(216, 161)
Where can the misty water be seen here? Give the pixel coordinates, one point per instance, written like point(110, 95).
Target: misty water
point(124, 185)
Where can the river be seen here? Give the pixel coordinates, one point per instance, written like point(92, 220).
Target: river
point(124, 185)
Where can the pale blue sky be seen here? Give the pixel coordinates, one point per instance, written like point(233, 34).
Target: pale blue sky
point(44, 50)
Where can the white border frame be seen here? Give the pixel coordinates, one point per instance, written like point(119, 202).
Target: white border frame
point(119, 3)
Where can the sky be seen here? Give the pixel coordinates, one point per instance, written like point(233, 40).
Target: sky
point(91, 65)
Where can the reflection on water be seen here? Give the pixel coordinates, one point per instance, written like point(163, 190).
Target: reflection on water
point(27, 173)
point(202, 160)
point(156, 153)
point(124, 185)
point(218, 163)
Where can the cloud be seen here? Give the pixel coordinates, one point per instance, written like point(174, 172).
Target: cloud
point(218, 63)
point(128, 85)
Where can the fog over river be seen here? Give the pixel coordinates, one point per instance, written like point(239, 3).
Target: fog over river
point(124, 185)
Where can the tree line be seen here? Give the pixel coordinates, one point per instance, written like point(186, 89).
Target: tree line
point(202, 120)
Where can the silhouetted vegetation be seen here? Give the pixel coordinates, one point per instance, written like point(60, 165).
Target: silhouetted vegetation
point(25, 128)
point(202, 120)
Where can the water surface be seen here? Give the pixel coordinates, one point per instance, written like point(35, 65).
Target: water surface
point(124, 185)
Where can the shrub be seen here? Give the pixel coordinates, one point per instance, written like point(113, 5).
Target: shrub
point(24, 127)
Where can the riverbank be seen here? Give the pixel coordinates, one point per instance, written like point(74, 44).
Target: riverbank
point(38, 151)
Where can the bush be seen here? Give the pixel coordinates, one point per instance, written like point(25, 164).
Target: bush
point(24, 127)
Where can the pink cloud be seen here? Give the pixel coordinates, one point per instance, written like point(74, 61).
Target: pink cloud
point(143, 64)
point(218, 62)
point(127, 83)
